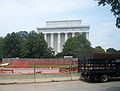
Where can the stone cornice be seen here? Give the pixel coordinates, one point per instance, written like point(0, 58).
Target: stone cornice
point(47, 28)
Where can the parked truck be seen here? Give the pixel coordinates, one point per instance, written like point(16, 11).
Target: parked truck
point(99, 66)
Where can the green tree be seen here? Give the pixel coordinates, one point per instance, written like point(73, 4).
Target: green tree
point(111, 50)
point(115, 8)
point(99, 49)
point(119, 51)
point(23, 34)
point(12, 45)
point(59, 55)
point(50, 53)
point(35, 46)
point(76, 46)
point(1, 47)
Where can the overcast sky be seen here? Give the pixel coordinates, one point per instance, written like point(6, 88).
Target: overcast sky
point(19, 15)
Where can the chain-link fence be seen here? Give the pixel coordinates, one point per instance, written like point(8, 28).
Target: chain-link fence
point(15, 70)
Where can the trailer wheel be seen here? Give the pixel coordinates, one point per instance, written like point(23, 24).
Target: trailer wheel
point(104, 78)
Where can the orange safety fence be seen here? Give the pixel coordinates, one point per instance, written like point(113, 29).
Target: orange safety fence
point(40, 63)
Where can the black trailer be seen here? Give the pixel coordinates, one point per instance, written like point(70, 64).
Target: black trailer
point(100, 67)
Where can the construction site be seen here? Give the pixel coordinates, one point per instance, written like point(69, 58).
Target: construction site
point(16, 70)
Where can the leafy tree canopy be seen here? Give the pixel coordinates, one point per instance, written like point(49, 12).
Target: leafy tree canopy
point(115, 8)
point(11, 45)
point(35, 46)
point(111, 50)
point(23, 34)
point(76, 46)
point(1, 47)
point(99, 49)
point(24, 44)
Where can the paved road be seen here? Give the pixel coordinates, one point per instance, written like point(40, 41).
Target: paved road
point(64, 86)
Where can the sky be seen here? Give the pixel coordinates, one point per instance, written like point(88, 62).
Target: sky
point(26, 15)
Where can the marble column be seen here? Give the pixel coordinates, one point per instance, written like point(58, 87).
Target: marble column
point(52, 40)
point(59, 41)
point(66, 36)
point(87, 35)
point(73, 34)
point(45, 36)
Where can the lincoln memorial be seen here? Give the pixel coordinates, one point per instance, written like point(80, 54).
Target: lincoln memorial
point(57, 32)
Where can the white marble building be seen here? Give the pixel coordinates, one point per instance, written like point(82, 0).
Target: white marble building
point(57, 32)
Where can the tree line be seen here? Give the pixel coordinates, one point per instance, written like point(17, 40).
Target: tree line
point(79, 45)
point(25, 45)
point(33, 45)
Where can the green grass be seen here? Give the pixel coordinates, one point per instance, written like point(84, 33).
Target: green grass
point(69, 66)
point(44, 66)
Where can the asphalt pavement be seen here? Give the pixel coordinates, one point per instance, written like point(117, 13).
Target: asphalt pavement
point(64, 86)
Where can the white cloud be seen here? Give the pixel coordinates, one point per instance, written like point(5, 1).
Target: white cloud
point(18, 14)
point(52, 6)
point(42, 7)
point(106, 35)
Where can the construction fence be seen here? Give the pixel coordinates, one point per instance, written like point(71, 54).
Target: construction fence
point(22, 70)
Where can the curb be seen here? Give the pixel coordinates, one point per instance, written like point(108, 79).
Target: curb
point(38, 82)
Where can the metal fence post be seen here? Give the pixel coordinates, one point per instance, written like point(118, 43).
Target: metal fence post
point(70, 73)
point(34, 71)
